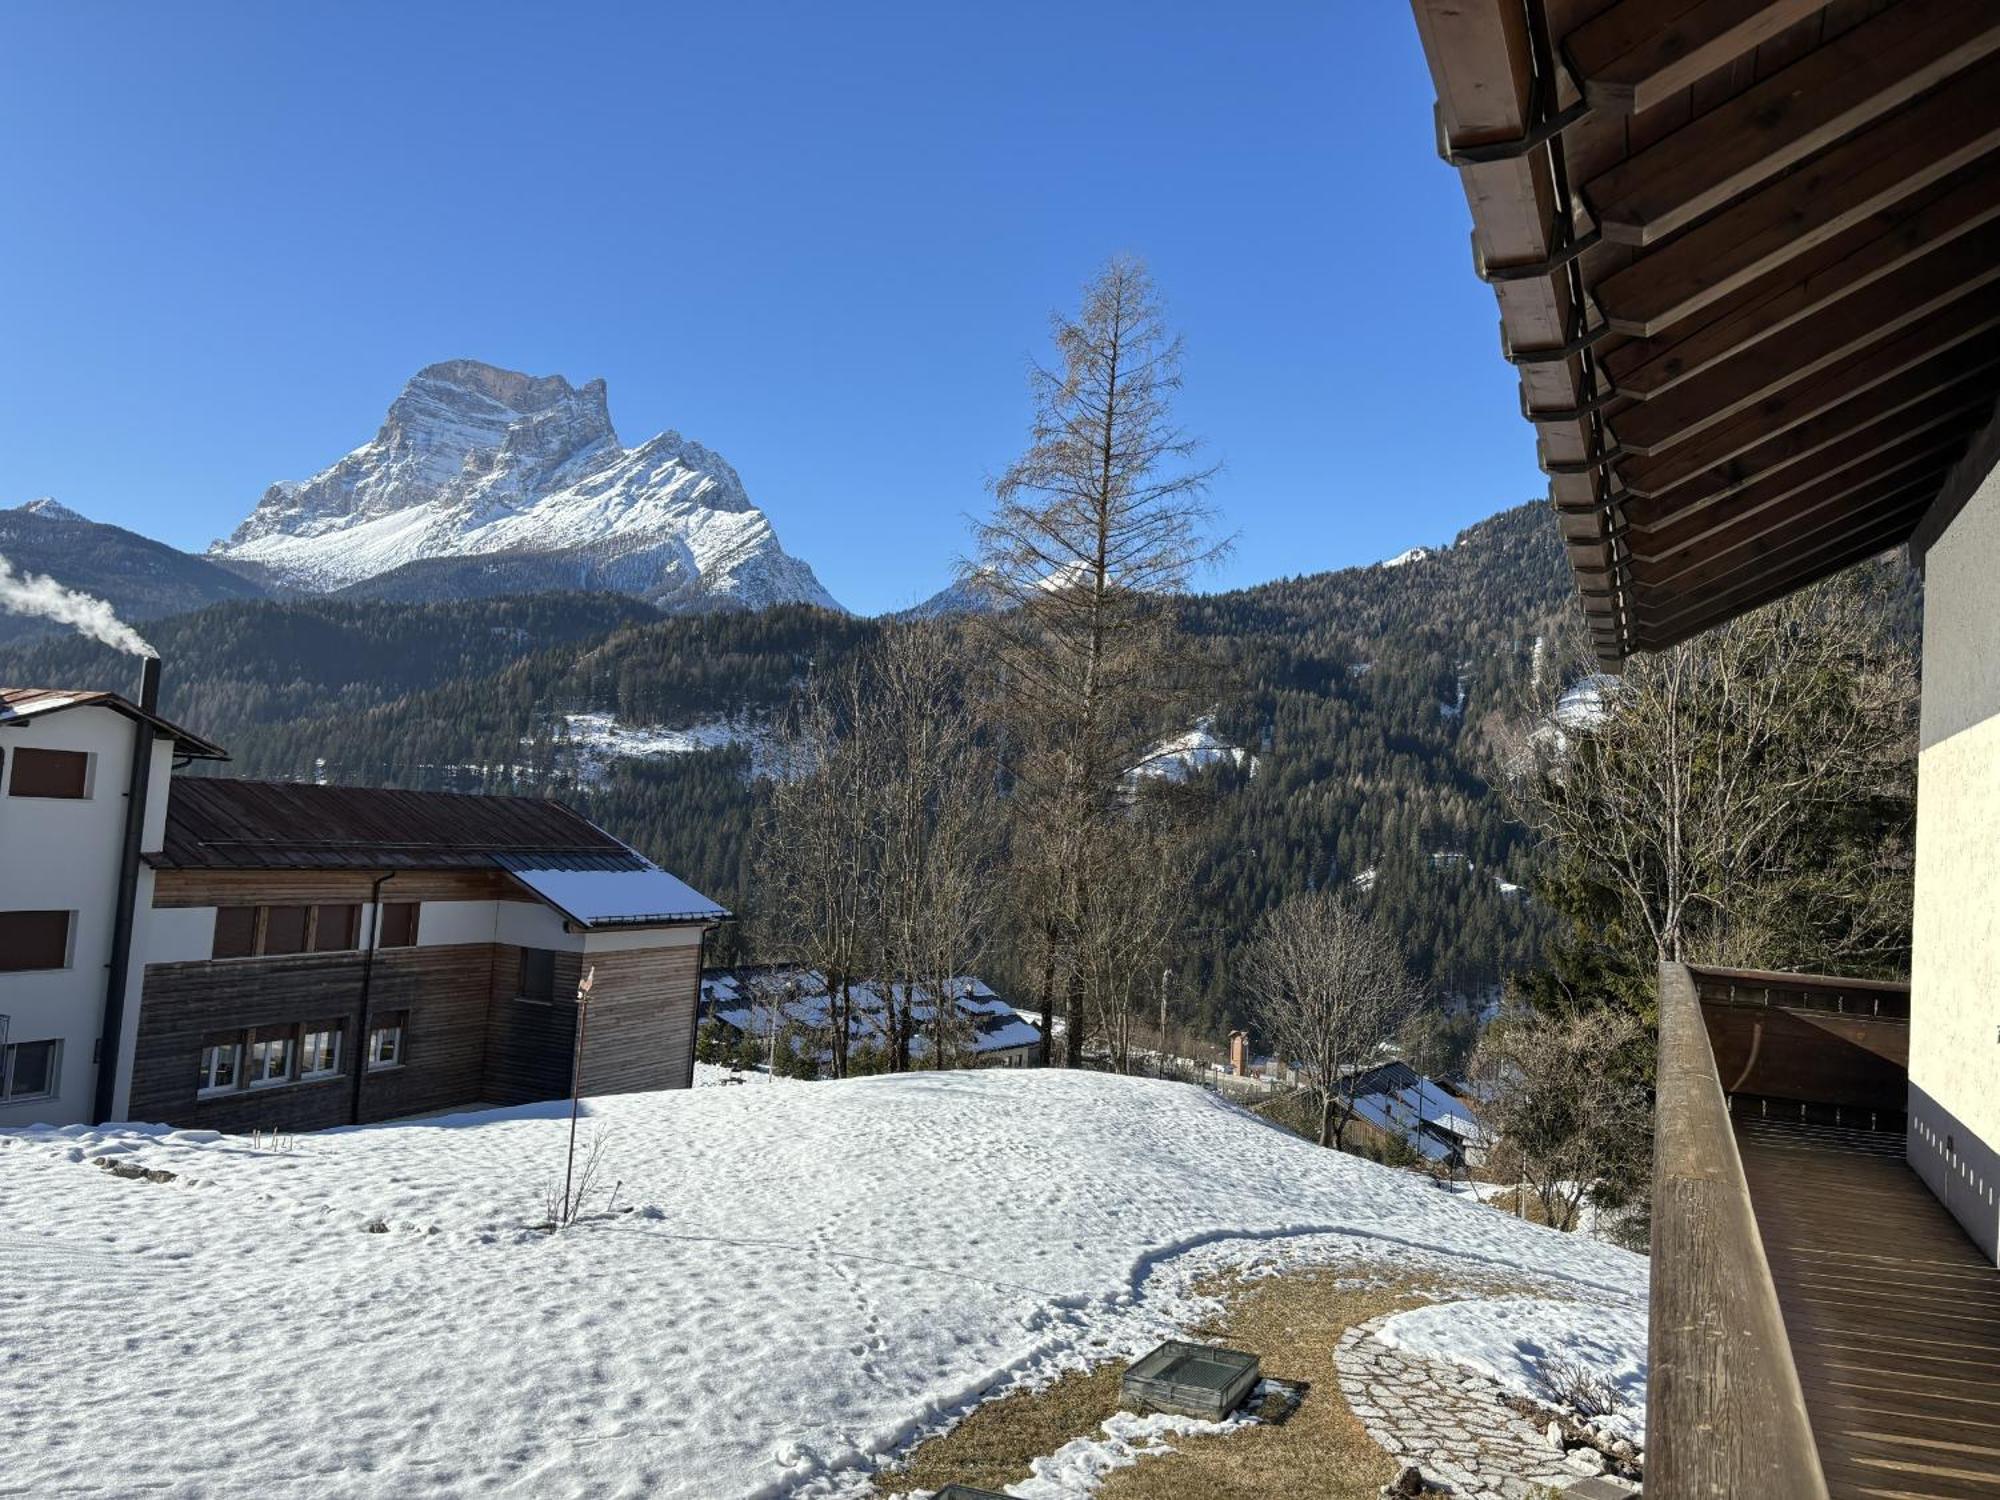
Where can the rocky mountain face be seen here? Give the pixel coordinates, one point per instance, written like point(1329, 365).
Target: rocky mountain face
point(484, 481)
point(142, 579)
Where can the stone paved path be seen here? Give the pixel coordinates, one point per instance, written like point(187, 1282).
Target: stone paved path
point(1452, 1424)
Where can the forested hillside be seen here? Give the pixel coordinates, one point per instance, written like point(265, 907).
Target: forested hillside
point(1366, 697)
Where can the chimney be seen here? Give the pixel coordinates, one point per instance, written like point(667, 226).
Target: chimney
point(111, 1040)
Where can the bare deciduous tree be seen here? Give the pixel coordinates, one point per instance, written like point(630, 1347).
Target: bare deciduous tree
point(1567, 1099)
point(1099, 522)
point(1327, 987)
point(877, 851)
point(1700, 788)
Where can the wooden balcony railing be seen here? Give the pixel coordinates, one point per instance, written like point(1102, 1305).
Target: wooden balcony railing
point(1726, 1418)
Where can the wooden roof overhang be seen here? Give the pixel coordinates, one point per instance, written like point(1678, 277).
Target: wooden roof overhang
point(1747, 256)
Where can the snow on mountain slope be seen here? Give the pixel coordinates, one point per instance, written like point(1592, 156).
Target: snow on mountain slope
point(798, 1280)
point(478, 462)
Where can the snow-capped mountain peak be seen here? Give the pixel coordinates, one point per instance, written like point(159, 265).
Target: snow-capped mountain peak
point(49, 509)
point(477, 462)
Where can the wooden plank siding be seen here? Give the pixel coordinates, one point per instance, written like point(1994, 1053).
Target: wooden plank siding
point(469, 1038)
point(529, 1043)
point(445, 990)
point(642, 1020)
point(199, 887)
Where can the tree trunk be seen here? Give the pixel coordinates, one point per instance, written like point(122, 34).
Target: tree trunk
point(1327, 1134)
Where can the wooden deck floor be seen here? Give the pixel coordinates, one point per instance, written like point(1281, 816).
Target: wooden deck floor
point(1892, 1312)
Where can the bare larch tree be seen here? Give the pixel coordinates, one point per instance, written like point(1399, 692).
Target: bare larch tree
point(1093, 529)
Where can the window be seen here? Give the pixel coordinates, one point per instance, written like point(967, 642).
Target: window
point(248, 931)
point(271, 1055)
point(33, 940)
point(335, 928)
point(221, 1066)
point(235, 932)
point(385, 1041)
point(319, 1050)
point(399, 924)
point(285, 929)
point(538, 974)
point(50, 773)
point(30, 1070)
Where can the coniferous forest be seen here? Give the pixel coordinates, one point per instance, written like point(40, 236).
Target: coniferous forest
point(1369, 701)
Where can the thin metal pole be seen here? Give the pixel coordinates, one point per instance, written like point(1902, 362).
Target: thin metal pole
point(576, 1083)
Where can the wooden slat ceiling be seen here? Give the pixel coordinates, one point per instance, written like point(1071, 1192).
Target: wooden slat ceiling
point(1747, 256)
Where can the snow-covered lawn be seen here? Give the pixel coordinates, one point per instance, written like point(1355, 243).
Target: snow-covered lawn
point(801, 1279)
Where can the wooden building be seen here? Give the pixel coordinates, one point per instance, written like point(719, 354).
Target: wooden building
point(310, 956)
point(1747, 260)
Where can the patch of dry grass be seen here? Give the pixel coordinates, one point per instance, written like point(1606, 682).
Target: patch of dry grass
point(1293, 1321)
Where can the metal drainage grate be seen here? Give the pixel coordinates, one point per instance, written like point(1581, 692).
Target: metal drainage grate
point(1190, 1380)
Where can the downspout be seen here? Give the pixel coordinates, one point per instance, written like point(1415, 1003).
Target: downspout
point(111, 1037)
point(367, 980)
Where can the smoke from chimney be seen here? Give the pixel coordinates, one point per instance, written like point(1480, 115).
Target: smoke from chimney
point(42, 597)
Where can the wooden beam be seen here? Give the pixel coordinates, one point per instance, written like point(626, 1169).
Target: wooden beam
point(1963, 321)
point(1921, 288)
point(1780, 529)
point(1654, 528)
point(1638, 53)
point(1833, 91)
point(1767, 579)
point(1678, 481)
point(1981, 460)
point(1857, 258)
point(1893, 159)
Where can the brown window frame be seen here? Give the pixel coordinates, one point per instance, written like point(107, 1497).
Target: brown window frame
point(316, 925)
point(8, 965)
point(542, 958)
point(260, 929)
point(233, 914)
point(398, 912)
point(28, 757)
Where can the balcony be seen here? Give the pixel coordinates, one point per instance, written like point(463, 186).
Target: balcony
point(1821, 1326)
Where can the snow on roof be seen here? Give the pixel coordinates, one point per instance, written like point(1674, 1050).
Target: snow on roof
point(959, 1207)
point(754, 1001)
point(607, 896)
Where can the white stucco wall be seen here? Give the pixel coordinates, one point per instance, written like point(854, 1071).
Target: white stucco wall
point(62, 854)
point(1954, 1136)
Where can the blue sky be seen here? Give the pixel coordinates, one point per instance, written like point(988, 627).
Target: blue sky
point(822, 239)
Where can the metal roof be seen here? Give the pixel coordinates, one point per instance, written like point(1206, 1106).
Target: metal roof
point(19, 705)
point(220, 823)
point(1747, 261)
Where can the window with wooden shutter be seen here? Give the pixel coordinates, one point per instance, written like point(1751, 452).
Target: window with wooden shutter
point(235, 932)
point(399, 924)
point(50, 773)
point(33, 940)
point(335, 927)
point(285, 929)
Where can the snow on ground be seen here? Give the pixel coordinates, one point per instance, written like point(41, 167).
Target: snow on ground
point(1521, 1341)
point(1404, 559)
point(1581, 705)
point(798, 1281)
point(596, 740)
point(1184, 755)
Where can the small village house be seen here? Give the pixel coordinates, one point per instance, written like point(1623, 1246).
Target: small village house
point(791, 1006)
point(1744, 256)
point(239, 954)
